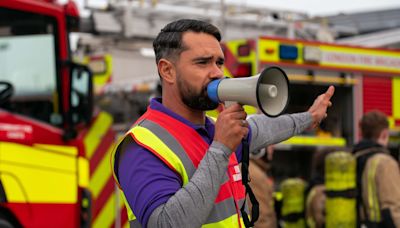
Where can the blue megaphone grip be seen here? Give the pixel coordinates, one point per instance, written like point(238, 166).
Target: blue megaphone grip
point(212, 90)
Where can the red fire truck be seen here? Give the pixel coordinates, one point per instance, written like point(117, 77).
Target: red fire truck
point(365, 79)
point(54, 146)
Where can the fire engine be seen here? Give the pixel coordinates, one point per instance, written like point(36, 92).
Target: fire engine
point(365, 79)
point(54, 146)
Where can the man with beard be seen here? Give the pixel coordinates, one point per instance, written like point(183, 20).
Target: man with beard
point(176, 167)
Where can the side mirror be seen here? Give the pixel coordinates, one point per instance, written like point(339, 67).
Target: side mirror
point(81, 94)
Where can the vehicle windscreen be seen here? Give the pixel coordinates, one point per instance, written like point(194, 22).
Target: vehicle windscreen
point(28, 61)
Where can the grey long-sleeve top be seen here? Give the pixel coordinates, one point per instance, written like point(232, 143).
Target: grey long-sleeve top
point(191, 205)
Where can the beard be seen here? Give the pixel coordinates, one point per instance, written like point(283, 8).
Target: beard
point(193, 99)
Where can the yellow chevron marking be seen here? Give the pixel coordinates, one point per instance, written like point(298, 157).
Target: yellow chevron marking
point(107, 215)
point(96, 133)
point(101, 175)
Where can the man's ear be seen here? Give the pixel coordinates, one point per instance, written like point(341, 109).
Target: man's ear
point(384, 137)
point(166, 70)
point(385, 133)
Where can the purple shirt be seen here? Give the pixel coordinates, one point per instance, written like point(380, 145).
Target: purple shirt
point(147, 181)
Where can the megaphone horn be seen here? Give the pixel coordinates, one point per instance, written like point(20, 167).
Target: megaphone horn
point(269, 91)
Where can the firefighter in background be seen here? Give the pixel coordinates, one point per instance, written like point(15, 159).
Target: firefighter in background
point(315, 203)
point(378, 174)
point(292, 211)
point(315, 206)
point(262, 187)
point(340, 190)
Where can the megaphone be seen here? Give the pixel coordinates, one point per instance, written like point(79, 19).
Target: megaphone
point(269, 91)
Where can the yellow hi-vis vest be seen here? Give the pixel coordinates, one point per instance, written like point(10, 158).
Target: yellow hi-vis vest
point(368, 161)
point(293, 203)
point(181, 148)
point(340, 189)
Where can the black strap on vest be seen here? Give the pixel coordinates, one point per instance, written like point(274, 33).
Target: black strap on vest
point(387, 220)
point(293, 217)
point(245, 181)
point(348, 193)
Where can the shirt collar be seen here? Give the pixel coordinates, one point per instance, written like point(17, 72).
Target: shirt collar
point(156, 104)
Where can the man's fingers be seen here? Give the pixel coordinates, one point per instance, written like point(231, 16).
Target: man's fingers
point(244, 123)
point(239, 115)
point(329, 93)
point(234, 107)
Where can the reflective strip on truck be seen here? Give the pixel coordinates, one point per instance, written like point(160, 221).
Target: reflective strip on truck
point(95, 134)
point(99, 142)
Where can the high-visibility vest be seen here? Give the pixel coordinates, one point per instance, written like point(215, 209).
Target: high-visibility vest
point(293, 203)
point(181, 148)
point(340, 189)
point(371, 209)
point(374, 209)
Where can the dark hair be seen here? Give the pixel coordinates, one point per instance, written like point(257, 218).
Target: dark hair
point(168, 43)
point(372, 124)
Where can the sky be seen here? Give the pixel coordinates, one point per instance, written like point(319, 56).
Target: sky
point(311, 7)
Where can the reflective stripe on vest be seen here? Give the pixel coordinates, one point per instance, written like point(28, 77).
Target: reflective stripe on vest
point(373, 203)
point(181, 148)
point(174, 152)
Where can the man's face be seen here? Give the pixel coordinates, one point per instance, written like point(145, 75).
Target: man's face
point(197, 66)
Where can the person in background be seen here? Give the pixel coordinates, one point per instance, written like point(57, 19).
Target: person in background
point(178, 168)
point(262, 187)
point(315, 192)
point(378, 174)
